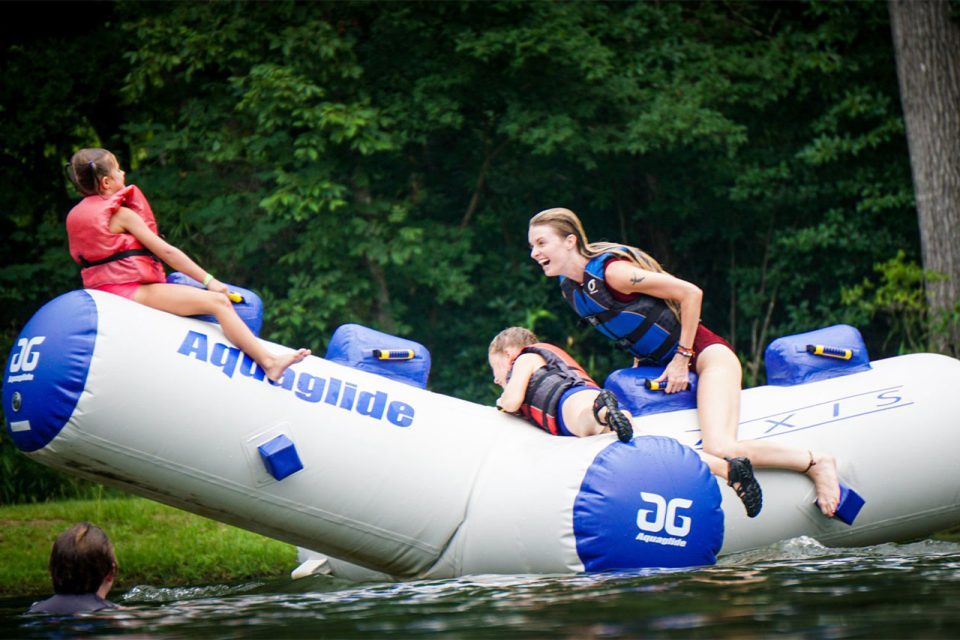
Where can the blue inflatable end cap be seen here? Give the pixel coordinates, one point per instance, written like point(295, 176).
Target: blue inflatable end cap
point(674, 519)
point(280, 457)
point(850, 504)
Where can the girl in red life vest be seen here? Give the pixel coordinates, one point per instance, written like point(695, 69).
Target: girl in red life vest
point(113, 236)
point(628, 297)
point(544, 384)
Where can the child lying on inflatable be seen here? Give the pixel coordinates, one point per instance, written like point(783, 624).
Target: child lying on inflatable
point(545, 385)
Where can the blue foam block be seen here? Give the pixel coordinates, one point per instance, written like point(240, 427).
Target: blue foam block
point(280, 457)
point(850, 504)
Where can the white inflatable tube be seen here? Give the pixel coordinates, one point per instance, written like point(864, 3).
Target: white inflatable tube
point(411, 483)
point(393, 477)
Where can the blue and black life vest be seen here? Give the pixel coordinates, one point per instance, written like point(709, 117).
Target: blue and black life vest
point(644, 327)
point(547, 385)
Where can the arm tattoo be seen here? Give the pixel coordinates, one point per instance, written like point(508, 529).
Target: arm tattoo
point(636, 279)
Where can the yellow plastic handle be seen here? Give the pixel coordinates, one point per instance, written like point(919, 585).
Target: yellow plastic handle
point(653, 385)
point(393, 354)
point(840, 353)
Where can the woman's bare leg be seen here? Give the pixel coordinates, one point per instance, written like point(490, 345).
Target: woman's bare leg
point(718, 401)
point(184, 300)
point(717, 466)
point(718, 409)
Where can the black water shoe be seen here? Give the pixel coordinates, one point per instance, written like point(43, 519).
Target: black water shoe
point(615, 418)
point(740, 477)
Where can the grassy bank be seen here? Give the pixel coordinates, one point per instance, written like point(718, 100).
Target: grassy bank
point(155, 545)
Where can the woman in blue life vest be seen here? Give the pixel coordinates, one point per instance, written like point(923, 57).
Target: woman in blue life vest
point(628, 297)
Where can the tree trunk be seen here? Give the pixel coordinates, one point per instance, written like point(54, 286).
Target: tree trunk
point(927, 45)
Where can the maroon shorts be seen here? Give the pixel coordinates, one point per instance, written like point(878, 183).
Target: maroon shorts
point(702, 340)
point(124, 289)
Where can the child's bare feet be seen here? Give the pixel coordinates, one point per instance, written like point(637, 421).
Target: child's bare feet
point(279, 364)
point(823, 472)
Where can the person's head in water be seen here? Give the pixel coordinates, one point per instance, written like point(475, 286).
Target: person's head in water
point(95, 172)
point(82, 561)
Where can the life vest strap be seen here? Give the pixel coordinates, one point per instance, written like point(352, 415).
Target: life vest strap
point(86, 264)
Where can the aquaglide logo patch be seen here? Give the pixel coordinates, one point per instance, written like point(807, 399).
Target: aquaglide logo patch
point(26, 359)
point(342, 394)
point(663, 518)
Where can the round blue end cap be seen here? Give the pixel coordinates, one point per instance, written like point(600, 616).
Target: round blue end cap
point(648, 503)
point(47, 369)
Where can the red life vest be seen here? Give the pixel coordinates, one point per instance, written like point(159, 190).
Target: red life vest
point(541, 402)
point(107, 257)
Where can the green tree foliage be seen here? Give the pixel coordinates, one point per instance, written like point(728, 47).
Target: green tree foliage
point(377, 162)
point(899, 301)
point(47, 108)
point(59, 90)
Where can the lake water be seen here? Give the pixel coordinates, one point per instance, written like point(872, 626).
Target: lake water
point(794, 589)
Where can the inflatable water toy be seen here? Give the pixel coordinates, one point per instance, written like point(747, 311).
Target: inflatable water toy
point(351, 457)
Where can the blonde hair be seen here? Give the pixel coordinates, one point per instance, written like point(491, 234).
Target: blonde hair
point(512, 337)
point(565, 222)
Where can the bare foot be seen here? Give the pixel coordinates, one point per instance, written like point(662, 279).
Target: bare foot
point(279, 364)
point(825, 481)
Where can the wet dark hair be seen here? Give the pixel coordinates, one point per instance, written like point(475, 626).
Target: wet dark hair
point(81, 558)
point(86, 167)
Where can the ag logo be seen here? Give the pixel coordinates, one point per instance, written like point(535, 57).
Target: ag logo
point(27, 359)
point(664, 517)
